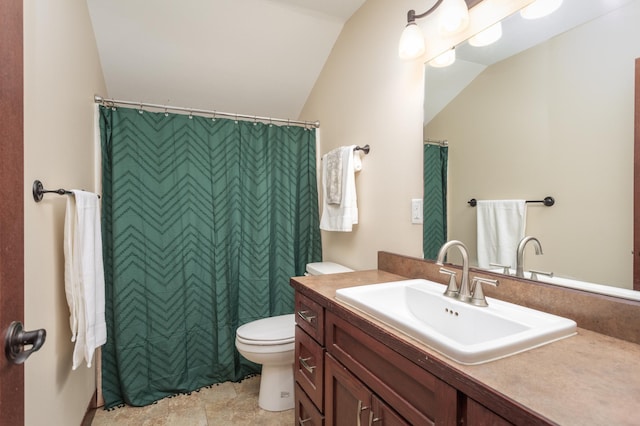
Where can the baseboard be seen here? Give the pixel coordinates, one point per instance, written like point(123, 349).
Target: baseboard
point(91, 410)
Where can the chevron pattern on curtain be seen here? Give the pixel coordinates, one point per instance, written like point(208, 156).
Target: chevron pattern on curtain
point(204, 222)
point(434, 206)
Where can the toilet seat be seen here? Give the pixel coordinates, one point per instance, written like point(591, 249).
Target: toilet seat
point(265, 342)
point(272, 331)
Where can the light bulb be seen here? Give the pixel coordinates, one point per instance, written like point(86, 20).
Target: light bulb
point(488, 36)
point(411, 42)
point(540, 8)
point(444, 60)
point(453, 17)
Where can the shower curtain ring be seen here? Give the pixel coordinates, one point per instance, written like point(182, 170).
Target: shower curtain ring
point(140, 111)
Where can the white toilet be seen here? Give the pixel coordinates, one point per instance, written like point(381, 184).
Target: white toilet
point(270, 342)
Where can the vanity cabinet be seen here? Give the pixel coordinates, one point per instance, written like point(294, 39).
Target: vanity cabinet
point(369, 364)
point(345, 377)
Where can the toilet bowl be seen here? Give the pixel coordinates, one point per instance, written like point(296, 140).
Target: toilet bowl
point(270, 342)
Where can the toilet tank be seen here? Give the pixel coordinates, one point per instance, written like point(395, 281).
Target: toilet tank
point(322, 268)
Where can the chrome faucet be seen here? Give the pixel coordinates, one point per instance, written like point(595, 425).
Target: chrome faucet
point(520, 254)
point(463, 294)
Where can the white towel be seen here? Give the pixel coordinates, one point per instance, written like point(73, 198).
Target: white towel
point(341, 217)
point(84, 275)
point(501, 225)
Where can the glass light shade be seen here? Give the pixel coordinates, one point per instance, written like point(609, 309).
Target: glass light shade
point(453, 16)
point(411, 42)
point(540, 8)
point(444, 60)
point(488, 36)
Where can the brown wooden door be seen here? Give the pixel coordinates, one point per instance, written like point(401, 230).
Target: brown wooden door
point(12, 211)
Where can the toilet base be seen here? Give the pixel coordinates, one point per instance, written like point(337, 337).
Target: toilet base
point(276, 388)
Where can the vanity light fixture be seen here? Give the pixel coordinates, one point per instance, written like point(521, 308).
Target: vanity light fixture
point(445, 59)
point(488, 36)
point(540, 8)
point(453, 17)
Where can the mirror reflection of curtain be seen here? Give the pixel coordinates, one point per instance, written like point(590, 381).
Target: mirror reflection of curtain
point(204, 222)
point(434, 199)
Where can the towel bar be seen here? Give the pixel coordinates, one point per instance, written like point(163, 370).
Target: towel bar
point(548, 201)
point(39, 191)
point(364, 149)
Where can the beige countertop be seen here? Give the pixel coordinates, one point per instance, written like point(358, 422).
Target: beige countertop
point(589, 378)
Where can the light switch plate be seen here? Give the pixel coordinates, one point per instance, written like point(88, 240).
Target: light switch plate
point(416, 210)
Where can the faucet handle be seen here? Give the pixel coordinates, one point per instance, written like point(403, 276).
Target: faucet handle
point(506, 269)
point(534, 274)
point(477, 295)
point(452, 288)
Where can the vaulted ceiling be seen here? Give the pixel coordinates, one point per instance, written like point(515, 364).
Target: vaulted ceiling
point(254, 57)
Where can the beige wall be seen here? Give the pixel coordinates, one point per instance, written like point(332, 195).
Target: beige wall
point(62, 72)
point(366, 95)
point(554, 120)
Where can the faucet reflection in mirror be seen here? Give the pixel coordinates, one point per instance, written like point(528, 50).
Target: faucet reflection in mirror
point(520, 253)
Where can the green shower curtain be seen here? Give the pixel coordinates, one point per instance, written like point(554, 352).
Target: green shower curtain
point(434, 205)
point(204, 222)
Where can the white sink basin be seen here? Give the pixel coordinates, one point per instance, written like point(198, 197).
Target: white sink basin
point(465, 333)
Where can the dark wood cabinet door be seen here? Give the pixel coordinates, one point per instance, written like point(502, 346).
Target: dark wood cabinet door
point(383, 415)
point(347, 400)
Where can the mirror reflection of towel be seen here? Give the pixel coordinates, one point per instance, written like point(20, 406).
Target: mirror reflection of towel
point(501, 225)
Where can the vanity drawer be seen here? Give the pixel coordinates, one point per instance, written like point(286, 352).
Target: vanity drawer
point(310, 317)
point(309, 367)
point(306, 413)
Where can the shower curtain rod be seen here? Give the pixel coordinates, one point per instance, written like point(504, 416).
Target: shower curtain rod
point(439, 142)
point(112, 102)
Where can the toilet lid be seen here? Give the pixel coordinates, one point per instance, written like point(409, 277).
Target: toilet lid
point(323, 268)
point(268, 331)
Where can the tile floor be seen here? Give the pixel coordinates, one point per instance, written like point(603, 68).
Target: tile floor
point(221, 405)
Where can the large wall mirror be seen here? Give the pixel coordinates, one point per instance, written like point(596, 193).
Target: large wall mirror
point(547, 115)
